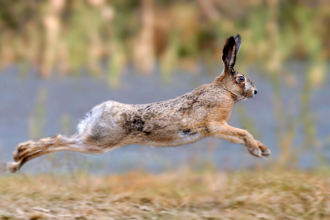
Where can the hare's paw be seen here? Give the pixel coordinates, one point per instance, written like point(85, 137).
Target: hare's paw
point(264, 150)
point(22, 150)
point(255, 151)
point(260, 150)
point(14, 166)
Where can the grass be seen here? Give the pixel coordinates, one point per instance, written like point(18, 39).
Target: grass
point(182, 195)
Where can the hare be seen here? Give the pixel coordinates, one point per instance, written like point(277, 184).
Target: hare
point(204, 112)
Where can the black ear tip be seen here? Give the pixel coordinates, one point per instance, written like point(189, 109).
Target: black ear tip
point(231, 39)
point(238, 36)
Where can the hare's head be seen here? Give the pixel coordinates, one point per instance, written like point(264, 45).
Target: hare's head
point(233, 81)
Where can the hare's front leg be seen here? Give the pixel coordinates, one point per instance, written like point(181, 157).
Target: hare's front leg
point(239, 136)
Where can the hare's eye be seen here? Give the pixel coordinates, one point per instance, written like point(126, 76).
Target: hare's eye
point(240, 79)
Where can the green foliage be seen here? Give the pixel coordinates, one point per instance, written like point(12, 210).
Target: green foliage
point(75, 34)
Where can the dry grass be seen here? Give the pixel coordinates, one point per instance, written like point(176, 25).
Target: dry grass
point(183, 195)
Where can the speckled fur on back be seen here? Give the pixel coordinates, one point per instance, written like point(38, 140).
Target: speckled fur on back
point(201, 113)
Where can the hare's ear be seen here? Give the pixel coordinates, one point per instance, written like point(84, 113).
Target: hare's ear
point(238, 41)
point(229, 53)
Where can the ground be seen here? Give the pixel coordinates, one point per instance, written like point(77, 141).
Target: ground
point(180, 195)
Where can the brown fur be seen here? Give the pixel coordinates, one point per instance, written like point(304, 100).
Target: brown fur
point(204, 112)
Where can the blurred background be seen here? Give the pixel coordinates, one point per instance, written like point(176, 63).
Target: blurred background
point(60, 58)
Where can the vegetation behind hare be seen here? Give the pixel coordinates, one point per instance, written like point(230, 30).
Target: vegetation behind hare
point(204, 112)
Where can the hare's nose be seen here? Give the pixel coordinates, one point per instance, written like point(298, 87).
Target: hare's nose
point(255, 92)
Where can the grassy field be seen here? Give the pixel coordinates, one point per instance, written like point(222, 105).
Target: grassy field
point(182, 195)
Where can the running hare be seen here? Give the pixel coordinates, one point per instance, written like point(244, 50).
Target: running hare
point(201, 113)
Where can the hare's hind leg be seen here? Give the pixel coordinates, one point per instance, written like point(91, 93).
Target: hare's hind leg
point(240, 136)
point(31, 149)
